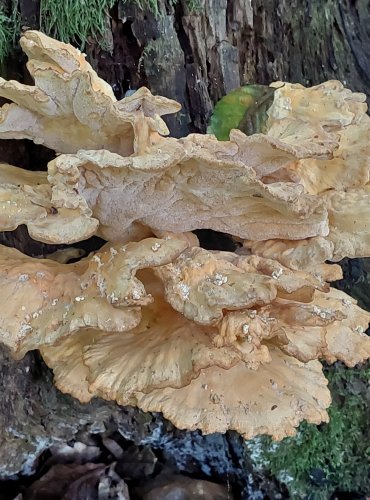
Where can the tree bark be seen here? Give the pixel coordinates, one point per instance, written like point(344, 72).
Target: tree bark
point(198, 56)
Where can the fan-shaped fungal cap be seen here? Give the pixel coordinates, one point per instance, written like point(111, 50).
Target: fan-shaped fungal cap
point(349, 234)
point(349, 167)
point(65, 358)
point(346, 339)
point(71, 108)
point(349, 219)
point(273, 400)
point(326, 117)
point(183, 186)
point(21, 198)
point(309, 255)
point(201, 286)
point(301, 254)
point(330, 327)
point(296, 285)
point(49, 300)
point(324, 108)
point(167, 352)
point(251, 370)
point(26, 198)
point(164, 350)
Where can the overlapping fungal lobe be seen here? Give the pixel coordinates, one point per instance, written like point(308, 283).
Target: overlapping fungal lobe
point(71, 108)
point(324, 114)
point(45, 301)
point(307, 318)
point(26, 198)
point(298, 285)
point(331, 327)
point(166, 349)
point(259, 300)
point(21, 198)
point(348, 169)
point(349, 219)
point(296, 335)
point(339, 182)
point(313, 115)
point(201, 286)
point(227, 342)
point(183, 185)
point(297, 255)
point(272, 400)
point(65, 358)
point(349, 235)
point(204, 285)
point(346, 340)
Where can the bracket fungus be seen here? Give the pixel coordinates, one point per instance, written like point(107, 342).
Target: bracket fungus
point(49, 300)
point(215, 340)
point(163, 355)
point(181, 187)
point(71, 108)
point(340, 182)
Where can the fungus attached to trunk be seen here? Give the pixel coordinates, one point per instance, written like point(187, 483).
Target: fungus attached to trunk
point(182, 185)
point(71, 108)
point(215, 340)
point(270, 401)
point(196, 348)
point(44, 301)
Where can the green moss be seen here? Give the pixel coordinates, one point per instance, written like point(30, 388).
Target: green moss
point(9, 30)
point(330, 457)
point(71, 21)
point(75, 20)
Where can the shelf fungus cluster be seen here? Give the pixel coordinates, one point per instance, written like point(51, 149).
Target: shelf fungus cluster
point(214, 340)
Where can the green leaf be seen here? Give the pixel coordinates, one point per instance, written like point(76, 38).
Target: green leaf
point(244, 108)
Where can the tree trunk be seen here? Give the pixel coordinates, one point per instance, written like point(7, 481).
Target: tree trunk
point(198, 56)
point(194, 56)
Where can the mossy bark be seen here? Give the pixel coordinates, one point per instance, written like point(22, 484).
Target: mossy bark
point(196, 51)
point(197, 54)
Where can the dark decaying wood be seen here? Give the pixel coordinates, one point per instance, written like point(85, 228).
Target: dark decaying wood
point(195, 57)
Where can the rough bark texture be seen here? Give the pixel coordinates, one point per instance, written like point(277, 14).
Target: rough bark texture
point(193, 56)
point(196, 56)
point(197, 51)
point(34, 415)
